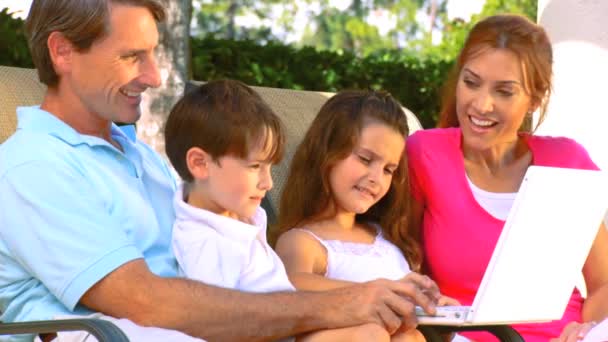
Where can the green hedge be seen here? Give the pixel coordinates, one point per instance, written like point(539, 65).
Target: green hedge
point(13, 44)
point(413, 79)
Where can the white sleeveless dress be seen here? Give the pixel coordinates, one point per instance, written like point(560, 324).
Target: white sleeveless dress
point(361, 262)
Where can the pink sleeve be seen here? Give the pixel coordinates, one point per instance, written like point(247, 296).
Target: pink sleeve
point(584, 160)
point(561, 152)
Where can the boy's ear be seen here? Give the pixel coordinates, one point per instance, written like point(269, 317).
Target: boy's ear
point(198, 161)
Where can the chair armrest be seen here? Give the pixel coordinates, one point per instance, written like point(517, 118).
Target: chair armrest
point(505, 333)
point(104, 331)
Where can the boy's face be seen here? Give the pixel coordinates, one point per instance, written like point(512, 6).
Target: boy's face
point(235, 187)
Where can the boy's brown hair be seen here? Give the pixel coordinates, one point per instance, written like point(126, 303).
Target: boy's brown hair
point(224, 117)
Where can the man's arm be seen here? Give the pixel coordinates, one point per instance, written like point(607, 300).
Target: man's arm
point(218, 314)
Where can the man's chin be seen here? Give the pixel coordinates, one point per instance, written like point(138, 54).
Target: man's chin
point(130, 119)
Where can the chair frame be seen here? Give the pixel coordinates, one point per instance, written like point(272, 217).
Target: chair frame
point(104, 331)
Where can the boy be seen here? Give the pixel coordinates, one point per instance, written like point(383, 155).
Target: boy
point(222, 139)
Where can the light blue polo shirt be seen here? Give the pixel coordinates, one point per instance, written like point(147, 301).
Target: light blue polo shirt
point(72, 209)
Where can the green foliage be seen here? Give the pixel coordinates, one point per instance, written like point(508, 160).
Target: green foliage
point(218, 18)
point(455, 32)
point(13, 43)
point(412, 79)
point(523, 7)
point(336, 30)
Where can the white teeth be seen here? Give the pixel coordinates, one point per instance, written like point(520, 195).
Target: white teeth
point(483, 123)
point(364, 190)
point(130, 93)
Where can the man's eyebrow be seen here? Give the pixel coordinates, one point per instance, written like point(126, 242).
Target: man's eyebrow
point(134, 51)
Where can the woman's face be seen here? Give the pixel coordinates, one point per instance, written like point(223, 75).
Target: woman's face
point(491, 99)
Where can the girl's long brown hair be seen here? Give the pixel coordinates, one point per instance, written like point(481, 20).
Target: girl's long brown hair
point(332, 137)
point(514, 33)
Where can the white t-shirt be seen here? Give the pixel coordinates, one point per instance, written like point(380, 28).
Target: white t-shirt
point(225, 252)
point(498, 204)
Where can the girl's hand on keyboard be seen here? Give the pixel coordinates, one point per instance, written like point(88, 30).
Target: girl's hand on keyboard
point(447, 301)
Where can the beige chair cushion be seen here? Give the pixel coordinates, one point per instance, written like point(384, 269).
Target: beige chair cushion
point(18, 87)
point(297, 108)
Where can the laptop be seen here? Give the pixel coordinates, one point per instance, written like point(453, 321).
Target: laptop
point(540, 253)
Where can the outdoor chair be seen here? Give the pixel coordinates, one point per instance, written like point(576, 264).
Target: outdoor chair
point(296, 108)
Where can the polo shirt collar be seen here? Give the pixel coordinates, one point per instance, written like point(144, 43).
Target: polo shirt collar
point(35, 119)
point(232, 229)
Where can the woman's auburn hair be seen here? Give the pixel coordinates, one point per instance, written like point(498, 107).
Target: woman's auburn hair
point(334, 133)
point(511, 32)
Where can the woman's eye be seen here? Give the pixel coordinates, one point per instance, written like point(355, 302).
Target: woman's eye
point(469, 83)
point(389, 171)
point(505, 93)
point(254, 166)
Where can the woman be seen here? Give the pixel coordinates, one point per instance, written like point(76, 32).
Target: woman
point(502, 75)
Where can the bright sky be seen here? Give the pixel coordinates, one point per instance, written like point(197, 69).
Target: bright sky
point(456, 9)
point(21, 7)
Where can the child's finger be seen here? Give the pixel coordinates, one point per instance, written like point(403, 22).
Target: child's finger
point(447, 301)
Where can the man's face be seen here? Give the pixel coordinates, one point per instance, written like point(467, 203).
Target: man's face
point(109, 78)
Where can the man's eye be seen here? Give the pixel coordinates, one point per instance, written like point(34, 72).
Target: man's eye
point(132, 57)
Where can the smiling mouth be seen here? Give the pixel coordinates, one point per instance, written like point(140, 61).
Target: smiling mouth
point(130, 94)
point(482, 123)
point(365, 191)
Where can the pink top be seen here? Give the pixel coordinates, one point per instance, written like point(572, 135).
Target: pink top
point(452, 217)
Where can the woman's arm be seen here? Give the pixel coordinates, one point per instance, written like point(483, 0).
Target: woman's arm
point(595, 307)
point(305, 260)
point(595, 272)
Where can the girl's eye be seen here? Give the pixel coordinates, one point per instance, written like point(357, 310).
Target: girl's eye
point(389, 171)
point(364, 160)
point(254, 166)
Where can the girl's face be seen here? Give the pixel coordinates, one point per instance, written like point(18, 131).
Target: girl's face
point(491, 99)
point(361, 179)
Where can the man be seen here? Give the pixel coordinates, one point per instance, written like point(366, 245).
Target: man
point(86, 213)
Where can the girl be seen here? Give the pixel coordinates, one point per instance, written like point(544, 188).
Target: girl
point(343, 210)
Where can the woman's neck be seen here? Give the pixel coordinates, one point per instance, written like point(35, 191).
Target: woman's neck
point(497, 158)
point(499, 169)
